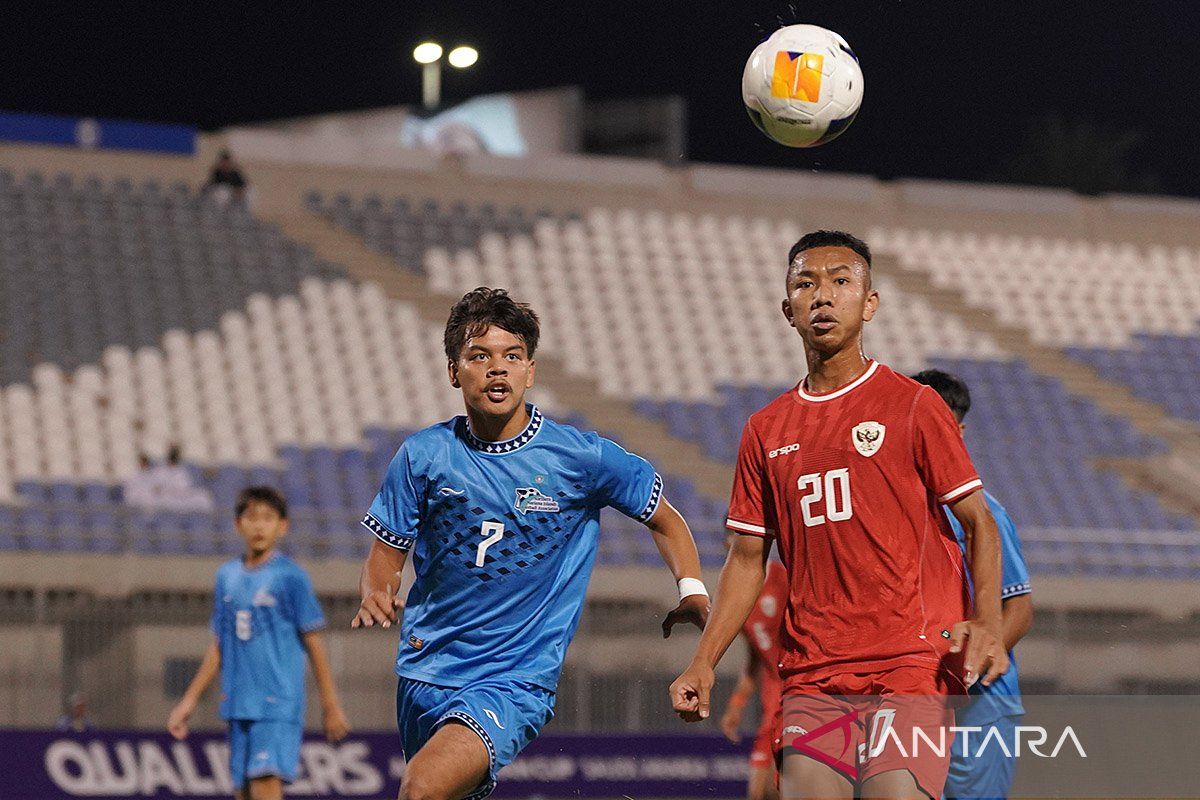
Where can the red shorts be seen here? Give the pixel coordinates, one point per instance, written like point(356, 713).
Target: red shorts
point(762, 754)
point(863, 725)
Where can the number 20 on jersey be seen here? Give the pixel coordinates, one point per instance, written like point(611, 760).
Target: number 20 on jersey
point(834, 488)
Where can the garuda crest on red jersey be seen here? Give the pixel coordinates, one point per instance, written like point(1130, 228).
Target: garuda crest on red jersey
point(868, 437)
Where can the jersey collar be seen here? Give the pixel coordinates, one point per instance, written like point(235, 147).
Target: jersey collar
point(508, 445)
point(849, 387)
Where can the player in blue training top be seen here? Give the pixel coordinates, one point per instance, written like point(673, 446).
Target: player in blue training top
point(265, 616)
point(980, 768)
point(500, 509)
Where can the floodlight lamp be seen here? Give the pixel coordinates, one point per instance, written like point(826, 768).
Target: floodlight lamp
point(463, 57)
point(427, 52)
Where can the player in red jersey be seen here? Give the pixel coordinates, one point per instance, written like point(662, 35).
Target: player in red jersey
point(761, 633)
point(848, 472)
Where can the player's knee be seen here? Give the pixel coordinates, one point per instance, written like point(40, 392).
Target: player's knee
point(761, 785)
point(763, 793)
point(268, 788)
point(417, 786)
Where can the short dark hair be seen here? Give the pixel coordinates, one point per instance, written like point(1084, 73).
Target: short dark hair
point(950, 387)
point(824, 238)
point(260, 494)
point(480, 309)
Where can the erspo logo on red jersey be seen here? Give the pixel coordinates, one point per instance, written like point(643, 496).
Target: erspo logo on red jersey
point(783, 451)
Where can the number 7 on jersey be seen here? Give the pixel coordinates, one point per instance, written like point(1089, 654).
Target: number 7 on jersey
point(492, 533)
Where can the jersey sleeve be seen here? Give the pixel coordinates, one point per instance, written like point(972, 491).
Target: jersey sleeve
point(396, 512)
point(214, 621)
point(940, 452)
point(306, 609)
point(1014, 574)
point(627, 482)
point(750, 510)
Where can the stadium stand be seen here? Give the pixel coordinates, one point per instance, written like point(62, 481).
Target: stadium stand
point(1067, 293)
point(1132, 313)
point(266, 363)
point(687, 324)
point(406, 230)
point(288, 376)
point(1162, 368)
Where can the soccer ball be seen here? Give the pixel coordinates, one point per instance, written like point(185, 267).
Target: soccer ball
point(802, 86)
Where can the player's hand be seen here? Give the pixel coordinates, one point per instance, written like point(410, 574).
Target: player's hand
point(336, 724)
point(377, 608)
point(177, 723)
point(985, 653)
point(691, 691)
point(731, 720)
point(694, 609)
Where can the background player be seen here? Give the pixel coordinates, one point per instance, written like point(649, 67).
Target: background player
point(761, 672)
point(500, 509)
point(265, 616)
point(988, 773)
point(849, 470)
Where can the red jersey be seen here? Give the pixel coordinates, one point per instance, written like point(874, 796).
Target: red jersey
point(762, 632)
point(851, 482)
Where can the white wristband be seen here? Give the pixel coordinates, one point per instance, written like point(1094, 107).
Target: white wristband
point(690, 586)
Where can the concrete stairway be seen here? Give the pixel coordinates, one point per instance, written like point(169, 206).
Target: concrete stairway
point(1174, 478)
point(617, 417)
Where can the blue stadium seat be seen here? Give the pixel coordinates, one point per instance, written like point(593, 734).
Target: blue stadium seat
point(326, 480)
point(228, 481)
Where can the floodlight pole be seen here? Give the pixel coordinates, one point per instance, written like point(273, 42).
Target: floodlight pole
point(431, 84)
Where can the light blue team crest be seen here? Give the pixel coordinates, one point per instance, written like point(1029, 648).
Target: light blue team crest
point(531, 499)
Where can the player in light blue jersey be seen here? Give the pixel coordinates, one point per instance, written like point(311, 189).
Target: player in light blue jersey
point(980, 768)
point(265, 618)
point(500, 511)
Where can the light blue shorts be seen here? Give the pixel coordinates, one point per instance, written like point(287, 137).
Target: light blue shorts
point(261, 747)
point(507, 715)
point(984, 773)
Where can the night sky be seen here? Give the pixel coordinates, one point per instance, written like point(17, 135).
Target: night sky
point(953, 89)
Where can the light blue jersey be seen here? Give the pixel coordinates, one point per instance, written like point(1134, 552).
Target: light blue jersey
point(1003, 697)
point(259, 616)
point(503, 536)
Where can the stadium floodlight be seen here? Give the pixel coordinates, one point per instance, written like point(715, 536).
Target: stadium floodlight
point(463, 56)
point(429, 56)
point(427, 52)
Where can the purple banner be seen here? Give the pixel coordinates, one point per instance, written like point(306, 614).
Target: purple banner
point(129, 764)
point(89, 134)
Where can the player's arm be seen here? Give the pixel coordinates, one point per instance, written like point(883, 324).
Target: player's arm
point(986, 655)
point(741, 582)
point(1017, 613)
point(746, 686)
point(1015, 591)
point(675, 544)
point(394, 518)
point(210, 665)
point(627, 482)
point(379, 586)
point(336, 724)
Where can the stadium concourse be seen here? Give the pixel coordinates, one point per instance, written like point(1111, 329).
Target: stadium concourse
point(298, 344)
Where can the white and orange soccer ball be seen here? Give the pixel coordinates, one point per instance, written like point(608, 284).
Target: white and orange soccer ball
point(802, 86)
